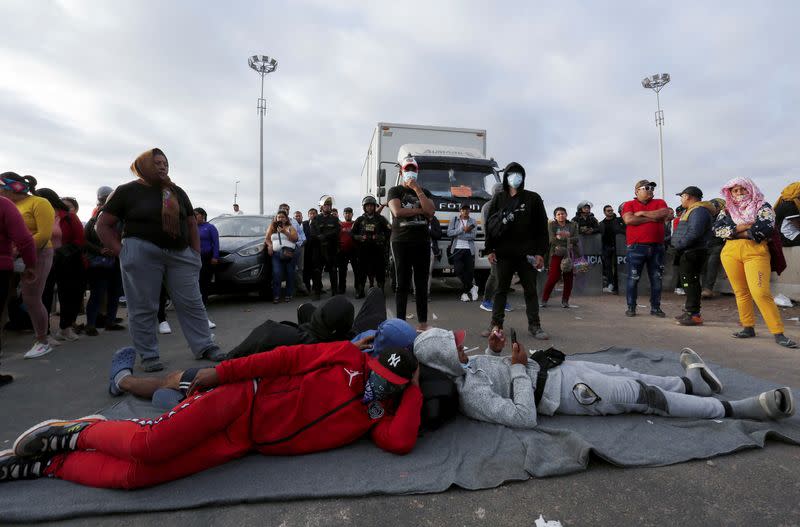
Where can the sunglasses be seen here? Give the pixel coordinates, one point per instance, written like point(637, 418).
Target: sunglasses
point(648, 188)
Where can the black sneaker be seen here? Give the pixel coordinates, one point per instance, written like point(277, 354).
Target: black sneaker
point(54, 435)
point(657, 312)
point(13, 467)
point(6, 379)
point(745, 333)
point(631, 312)
point(214, 353)
point(785, 341)
point(91, 331)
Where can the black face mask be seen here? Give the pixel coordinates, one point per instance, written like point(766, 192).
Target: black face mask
point(379, 389)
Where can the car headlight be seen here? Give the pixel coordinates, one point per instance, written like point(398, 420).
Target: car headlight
point(251, 250)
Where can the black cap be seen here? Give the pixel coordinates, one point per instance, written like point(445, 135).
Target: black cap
point(396, 365)
point(348, 209)
point(692, 191)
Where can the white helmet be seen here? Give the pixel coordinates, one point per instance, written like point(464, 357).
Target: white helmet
point(325, 199)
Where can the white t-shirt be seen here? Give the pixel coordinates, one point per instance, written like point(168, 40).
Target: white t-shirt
point(281, 240)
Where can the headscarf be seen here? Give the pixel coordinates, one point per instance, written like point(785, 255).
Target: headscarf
point(144, 167)
point(790, 193)
point(746, 210)
point(15, 183)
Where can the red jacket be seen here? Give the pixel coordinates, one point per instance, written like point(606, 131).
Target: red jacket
point(309, 399)
point(71, 228)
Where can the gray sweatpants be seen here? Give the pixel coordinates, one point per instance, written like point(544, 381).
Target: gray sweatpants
point(615, 390)
point(144, 266)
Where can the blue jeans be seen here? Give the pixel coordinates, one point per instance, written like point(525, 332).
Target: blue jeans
point(640, 254)
point(282, 270)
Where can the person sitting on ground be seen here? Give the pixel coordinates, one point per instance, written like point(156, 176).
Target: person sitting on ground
point(169, 390)
point(746, 225)
point(563, 247)
point(240, 406)
point(513, 391)
point(584, 218)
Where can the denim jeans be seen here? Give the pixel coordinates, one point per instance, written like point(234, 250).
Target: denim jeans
point(640, 254)
point(282, 270)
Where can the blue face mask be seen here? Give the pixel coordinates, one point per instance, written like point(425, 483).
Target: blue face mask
point(409, 176)
point(515, 180)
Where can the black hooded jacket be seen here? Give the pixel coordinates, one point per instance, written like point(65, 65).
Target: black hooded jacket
point(528, 232)
point(330, 322)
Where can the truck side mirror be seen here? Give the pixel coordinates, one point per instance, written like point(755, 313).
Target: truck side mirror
point(381, 192)
point(381, 177)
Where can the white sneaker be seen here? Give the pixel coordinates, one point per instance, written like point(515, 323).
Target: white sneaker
point(53, 342)
point(473, 293)
point(164, 328)
point(608, 289)
point(680, 291)
point(211, 325)
point(464, 297)
point(38, 350)
point(65, 334)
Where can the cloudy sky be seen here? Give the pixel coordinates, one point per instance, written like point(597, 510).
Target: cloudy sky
point(87, 85)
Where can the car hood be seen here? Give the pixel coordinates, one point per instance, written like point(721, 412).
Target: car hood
point(232, 244)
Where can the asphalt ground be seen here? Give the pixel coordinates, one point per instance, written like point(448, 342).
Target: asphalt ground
point(759, 487)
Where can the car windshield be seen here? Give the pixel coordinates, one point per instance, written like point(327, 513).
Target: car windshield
point(457, 181)
point(242, 226)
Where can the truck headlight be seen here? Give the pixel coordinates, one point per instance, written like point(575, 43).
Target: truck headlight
point(252, 250)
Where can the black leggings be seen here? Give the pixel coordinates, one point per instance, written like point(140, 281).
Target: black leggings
point(408, 257)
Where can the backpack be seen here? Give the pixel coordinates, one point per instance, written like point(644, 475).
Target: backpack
point(439, 397)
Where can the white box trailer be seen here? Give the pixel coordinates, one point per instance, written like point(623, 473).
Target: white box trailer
point(453, 166)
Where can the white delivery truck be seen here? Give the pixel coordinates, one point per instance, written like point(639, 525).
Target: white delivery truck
point(453, 166)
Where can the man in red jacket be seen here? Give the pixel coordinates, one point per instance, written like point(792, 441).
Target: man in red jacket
point(294, 400)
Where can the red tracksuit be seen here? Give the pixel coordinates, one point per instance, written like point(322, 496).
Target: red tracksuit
point(292, 400)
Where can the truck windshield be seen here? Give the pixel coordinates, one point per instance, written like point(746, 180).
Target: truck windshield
point(457, 181)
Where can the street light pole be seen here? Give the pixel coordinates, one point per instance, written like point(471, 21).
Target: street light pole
point(236, 192)
point(656, 83)
point(262, 65)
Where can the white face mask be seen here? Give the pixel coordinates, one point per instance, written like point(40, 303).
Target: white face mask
point(409, 176)
point(515, 180)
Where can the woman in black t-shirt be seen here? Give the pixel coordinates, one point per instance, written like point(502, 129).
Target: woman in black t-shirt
point(412, 208)
point(159, 243)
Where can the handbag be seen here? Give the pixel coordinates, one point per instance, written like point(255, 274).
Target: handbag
point(566, 264)
point(579, 264)
point(777, 260)
point(286, 253)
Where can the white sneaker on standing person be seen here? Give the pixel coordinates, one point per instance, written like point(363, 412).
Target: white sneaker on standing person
point(462, 230)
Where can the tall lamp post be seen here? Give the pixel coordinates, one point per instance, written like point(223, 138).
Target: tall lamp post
point(262, 65)
point(656, 83)
point(236, 192)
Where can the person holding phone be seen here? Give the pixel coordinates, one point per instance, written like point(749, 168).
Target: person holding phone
point(512, 391)
point(462, 230)
point(281, 245)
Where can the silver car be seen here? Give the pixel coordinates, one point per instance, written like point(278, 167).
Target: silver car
point(243, 265)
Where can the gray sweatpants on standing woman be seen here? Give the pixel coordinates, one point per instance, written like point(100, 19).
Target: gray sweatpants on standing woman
point(144, 266)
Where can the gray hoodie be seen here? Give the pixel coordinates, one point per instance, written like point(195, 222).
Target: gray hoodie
point(490, 388)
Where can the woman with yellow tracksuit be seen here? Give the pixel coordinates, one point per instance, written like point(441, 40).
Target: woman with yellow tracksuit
point(746, 224)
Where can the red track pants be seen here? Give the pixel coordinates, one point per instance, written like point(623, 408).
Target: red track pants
point(553, 276)
point(203, 431)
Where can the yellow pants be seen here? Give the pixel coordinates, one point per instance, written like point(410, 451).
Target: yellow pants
point(747, 265)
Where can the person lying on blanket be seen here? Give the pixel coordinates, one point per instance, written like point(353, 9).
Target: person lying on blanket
point(293, 400)
point(511, 391)
point(168, 390)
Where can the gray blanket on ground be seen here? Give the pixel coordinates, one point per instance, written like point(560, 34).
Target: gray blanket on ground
point(466, 453)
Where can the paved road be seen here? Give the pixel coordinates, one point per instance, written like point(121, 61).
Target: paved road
point(754, 487)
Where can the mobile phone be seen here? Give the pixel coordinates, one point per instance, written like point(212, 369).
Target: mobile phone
point(513, 335)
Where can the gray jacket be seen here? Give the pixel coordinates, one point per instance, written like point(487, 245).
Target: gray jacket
point(456, 232)
point(490, 388)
